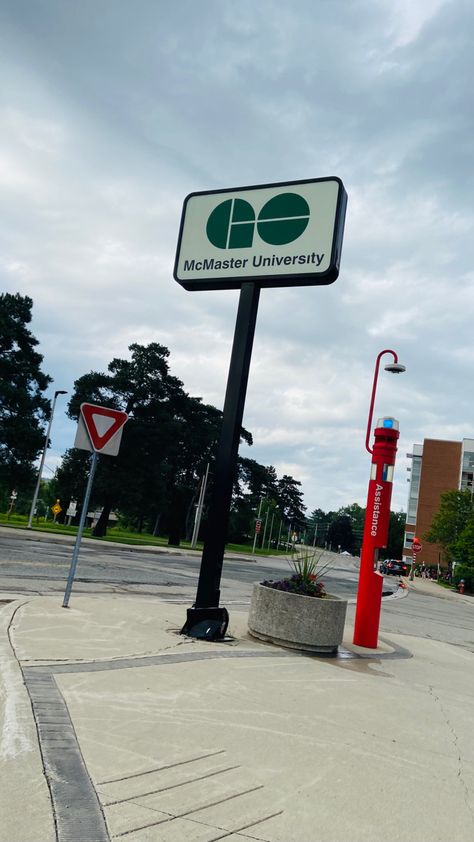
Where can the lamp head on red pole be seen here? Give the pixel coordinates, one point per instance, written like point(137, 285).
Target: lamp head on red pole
point(394, 368)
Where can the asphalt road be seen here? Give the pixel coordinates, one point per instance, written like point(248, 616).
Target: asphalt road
point(41, 566)
point(35, 565)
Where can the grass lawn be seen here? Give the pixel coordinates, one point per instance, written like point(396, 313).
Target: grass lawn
point(122, 536)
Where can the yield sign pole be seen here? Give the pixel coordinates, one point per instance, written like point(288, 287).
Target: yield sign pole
point(99, 430)
point(75, 553)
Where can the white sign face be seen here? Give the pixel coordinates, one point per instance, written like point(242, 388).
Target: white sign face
point(276, 235)
point(100, 428)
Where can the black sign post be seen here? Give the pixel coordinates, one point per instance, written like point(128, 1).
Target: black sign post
point(251, 237)
point(206, 607)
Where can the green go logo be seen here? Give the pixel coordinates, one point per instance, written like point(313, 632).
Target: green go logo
point(231, 225)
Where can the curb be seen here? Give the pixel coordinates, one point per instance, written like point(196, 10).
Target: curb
point(436, 591)
point(20, 755)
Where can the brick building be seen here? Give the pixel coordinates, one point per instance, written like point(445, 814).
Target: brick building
point(437, 466)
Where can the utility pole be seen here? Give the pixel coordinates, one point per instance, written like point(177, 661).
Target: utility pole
point(43, 456)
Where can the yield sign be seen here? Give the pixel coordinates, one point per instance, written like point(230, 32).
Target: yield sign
point(100, 429)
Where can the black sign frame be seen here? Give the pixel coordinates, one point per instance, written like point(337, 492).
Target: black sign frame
point(270, 281)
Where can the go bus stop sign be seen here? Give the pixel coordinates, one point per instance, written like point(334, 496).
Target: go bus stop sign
point(277, 235)
point(270, 235)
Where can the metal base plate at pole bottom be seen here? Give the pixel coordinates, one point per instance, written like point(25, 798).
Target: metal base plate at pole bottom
point(206, 623)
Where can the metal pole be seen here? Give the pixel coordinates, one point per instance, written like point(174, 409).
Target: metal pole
point(195, 526)
point(265, 530)
point(271, 530)
point(75, 552)
point(208, 591)
point(43, 457)
point(258, 518)
point(279, 535)
point(199, 507)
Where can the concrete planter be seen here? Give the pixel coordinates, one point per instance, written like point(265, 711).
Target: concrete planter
point(298, 622)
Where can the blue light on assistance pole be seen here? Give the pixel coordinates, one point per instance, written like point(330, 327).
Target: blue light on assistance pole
point(389, 423)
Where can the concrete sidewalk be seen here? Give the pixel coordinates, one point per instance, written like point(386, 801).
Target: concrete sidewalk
point(114, 727)
point(430, 587)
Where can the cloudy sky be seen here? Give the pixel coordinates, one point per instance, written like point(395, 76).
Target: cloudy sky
point(113, 111)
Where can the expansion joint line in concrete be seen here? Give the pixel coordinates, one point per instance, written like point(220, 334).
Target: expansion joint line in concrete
point(457, 750)
point(76, 807)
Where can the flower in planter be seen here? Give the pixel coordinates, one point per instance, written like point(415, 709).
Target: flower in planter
point(306, 579)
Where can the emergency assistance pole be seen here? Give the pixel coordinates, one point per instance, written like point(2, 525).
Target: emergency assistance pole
point(377, 516)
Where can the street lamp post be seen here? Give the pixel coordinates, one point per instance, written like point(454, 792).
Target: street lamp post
point(394, 368)
point(377, 516)
point(43, 456)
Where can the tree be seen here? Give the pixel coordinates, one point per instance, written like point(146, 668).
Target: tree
point(463, 547)
point(340, 533)
point(453, 528)
point(71, 476)
point(357, 516)
point(258, 481)
point(345, 528)
point(290, 501)
point(255, 490)
point(317, 526)
point(167, 442)
point(23, 407)
point(456, 512)
point(396, 534)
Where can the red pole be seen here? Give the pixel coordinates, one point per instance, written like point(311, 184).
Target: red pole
point(377, 517)
point(374, 389)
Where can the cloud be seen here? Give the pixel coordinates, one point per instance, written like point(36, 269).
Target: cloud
point(111, 115)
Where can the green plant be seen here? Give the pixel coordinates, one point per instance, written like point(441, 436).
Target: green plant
point(306, 579)
point(466, 572)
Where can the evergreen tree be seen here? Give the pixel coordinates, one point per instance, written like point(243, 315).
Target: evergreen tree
point(23, 407)
point(290, 500)
point(396, 534)
point(255, 490)
point(340, 534)
point(167, 442)
point(317, 527)
point(456, 512)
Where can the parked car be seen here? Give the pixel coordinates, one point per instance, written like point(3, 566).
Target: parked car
point(393, 567)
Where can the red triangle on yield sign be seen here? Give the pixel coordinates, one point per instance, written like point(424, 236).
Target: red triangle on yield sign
point(102, 423)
